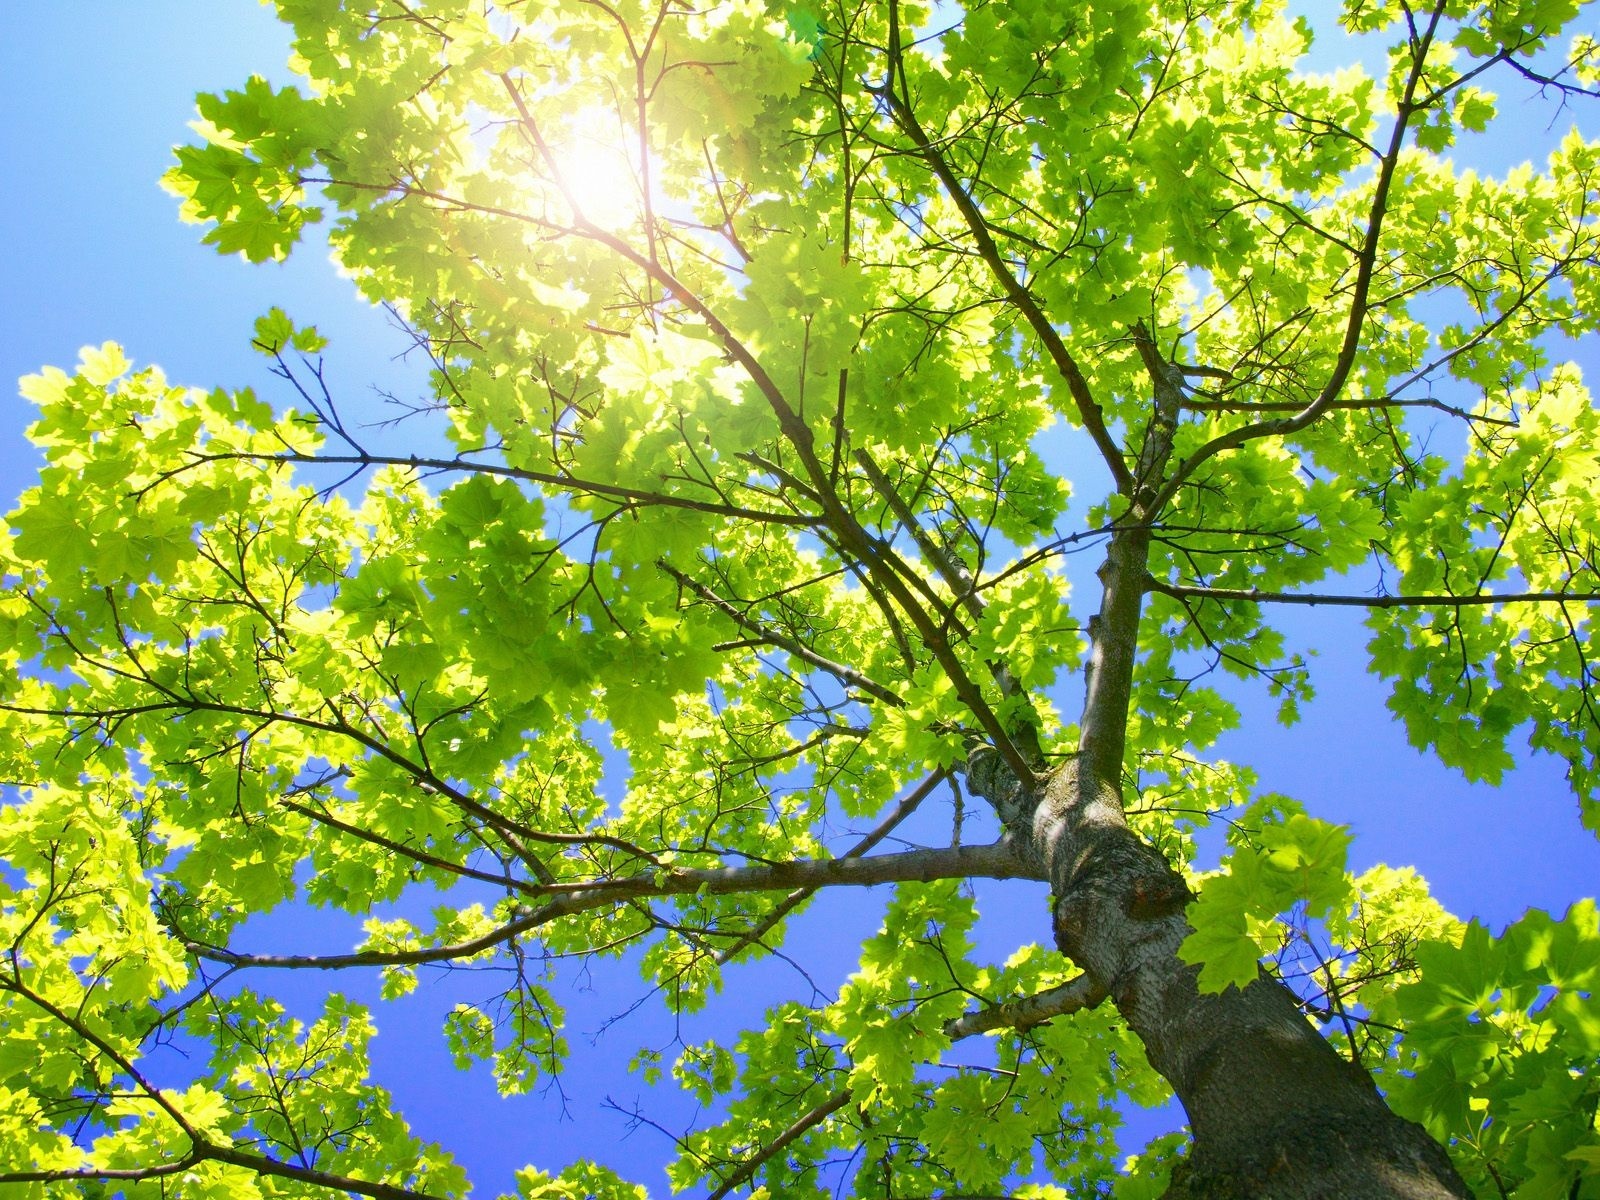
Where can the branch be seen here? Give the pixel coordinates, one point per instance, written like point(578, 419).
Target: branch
point(85, 1174)
point(1114, 630)
point(1256, 596)
point(846, 675)
point(122, 1062)
point(411, 852)
point(1076, 994)
point(571, 483)
point(855, 541)
point(790, 421)
point(1089, 411)
point(1214, 403)
point(996, 860)
point(797, 897)
point(204, 1151)
point(507, 829)
point(200, 1149)
point(1355, 321)
point(953, 573)
point(801, 1126)
point(262, 1165)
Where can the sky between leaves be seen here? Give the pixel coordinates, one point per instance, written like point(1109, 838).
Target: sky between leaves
point(96, 94)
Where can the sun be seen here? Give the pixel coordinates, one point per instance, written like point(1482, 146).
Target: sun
point(594, 160)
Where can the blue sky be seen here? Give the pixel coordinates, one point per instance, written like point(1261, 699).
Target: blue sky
point(96, 95)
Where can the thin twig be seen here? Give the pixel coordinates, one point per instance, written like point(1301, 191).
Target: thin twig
point(1421, 600)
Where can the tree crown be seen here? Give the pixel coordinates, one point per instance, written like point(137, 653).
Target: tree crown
point(785, 353)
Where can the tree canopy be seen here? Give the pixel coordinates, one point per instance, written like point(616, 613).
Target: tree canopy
point(781, 356)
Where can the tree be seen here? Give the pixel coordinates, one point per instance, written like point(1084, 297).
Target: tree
point(769, 339)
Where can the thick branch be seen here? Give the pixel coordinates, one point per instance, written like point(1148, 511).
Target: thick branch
point(993, 861)
point(1076, 994)
point(262, 1165)
point(203, 1151)
point(1213, 403)
point(89, 1174)
point(1115, 628)
point(794, 899)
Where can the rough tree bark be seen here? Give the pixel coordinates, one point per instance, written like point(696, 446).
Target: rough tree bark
point(1273, 1110)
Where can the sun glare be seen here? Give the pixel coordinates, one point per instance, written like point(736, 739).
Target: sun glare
point(597, 167)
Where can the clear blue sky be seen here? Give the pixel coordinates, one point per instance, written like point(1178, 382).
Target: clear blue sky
point(95, 96)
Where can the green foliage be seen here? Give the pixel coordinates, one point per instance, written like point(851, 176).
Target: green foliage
point(1517, 666)
point(276, 333)
point(783, 359)
point(245, 181)
point(581, 1181)
point(1500, 1058)
point(1280, 858)
point(1149, 1172)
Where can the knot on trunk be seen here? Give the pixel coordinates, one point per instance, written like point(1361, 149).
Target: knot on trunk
point(991, 778)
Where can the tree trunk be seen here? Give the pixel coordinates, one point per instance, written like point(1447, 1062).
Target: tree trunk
point(1274, 1111)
